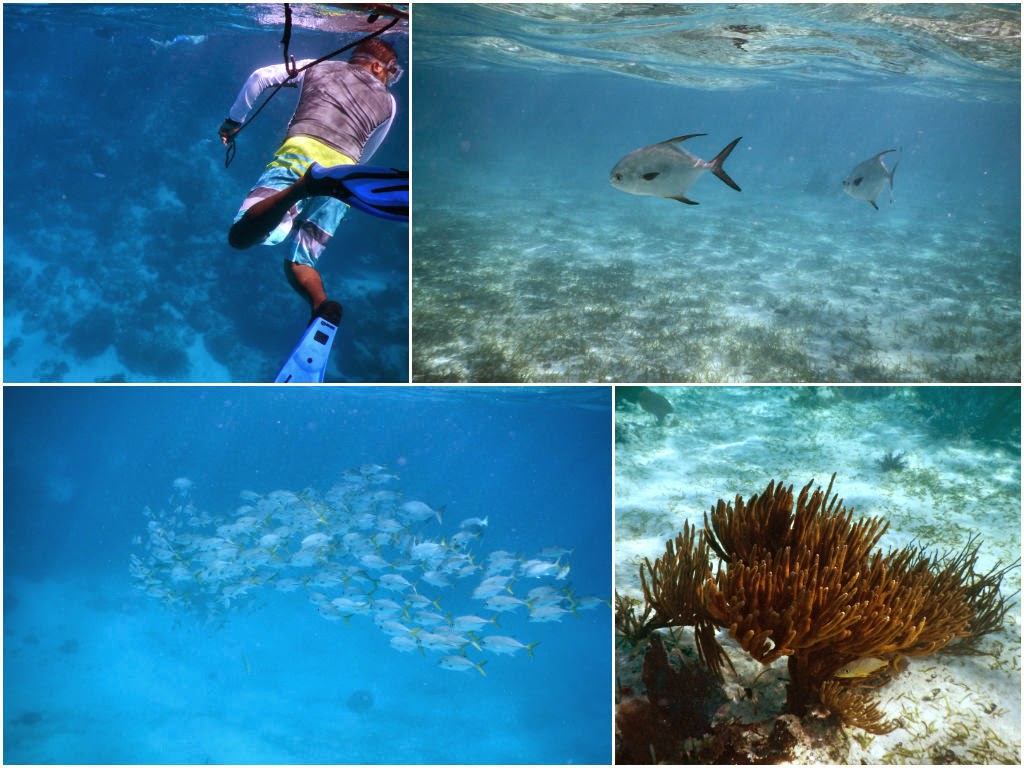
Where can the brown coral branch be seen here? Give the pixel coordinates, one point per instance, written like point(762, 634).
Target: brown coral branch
point(632, 627)
point(854, 707)
point(674, 586)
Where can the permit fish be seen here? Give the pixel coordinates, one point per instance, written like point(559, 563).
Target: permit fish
point(667, 170)
point(867, 180)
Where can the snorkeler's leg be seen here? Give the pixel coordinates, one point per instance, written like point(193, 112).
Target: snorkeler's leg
point(264, 215)
point(308, 283)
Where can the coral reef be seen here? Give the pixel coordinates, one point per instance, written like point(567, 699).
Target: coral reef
point(892, 461)
point(799, 577)
point(680, 701)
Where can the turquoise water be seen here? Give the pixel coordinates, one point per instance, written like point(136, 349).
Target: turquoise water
point(529, 266)
point(101, 666)
point(117, 202)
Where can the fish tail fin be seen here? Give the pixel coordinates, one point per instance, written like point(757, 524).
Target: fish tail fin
point(719, 160)
point(530, 647)
point(480, 667)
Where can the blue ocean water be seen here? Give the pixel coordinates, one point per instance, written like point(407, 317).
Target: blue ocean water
point(529, 266)
point(117, 201)
point(940, 465)
point(97, 671)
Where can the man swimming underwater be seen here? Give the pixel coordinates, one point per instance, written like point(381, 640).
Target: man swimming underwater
point(343, 115)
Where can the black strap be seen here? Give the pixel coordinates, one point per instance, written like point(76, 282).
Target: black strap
point(293, 72)
point(286, 40)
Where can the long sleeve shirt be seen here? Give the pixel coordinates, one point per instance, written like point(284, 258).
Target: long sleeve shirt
point(341, 105)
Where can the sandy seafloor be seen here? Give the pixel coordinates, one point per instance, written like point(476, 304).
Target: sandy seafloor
point(98, 671)
point(529, 266)
point(724, 441)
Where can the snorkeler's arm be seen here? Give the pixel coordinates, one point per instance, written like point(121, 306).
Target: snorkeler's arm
point(379, 134)
point(258, 82)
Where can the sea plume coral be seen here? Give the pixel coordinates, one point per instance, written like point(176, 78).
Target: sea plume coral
point(674, 587)
point(800, 578)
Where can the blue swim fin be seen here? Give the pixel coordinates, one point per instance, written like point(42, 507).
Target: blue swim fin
point(308, 361)
point(373, 189)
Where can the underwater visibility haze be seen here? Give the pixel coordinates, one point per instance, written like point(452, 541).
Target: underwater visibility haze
point(531, 262)
point(117, 201)
point(321, 575)
point(930, 470)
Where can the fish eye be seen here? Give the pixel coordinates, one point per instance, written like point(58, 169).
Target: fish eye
point(651, 176)
point(857, 181)
point(617, 176)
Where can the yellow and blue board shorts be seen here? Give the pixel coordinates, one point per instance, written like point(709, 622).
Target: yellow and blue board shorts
point(310, 223)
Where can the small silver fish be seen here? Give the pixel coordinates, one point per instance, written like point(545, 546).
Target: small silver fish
point(867, 180)
point(471, 623)
point(403, 643)
point(461, 664)
point(417, 511)
point(474, 525)
point(667, 170)
point(506, 645)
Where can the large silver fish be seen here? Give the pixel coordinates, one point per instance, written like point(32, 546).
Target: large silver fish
point(667, 170)
point(867, 180)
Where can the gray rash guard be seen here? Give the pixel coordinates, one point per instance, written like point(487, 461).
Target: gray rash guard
point(341, 104)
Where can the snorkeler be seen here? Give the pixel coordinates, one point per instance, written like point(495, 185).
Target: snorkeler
point(343, 116)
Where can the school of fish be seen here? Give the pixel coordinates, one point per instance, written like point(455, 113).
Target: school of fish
point(359, 550)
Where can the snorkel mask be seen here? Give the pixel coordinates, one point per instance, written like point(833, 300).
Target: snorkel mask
point(395, 73)
point(392, 67)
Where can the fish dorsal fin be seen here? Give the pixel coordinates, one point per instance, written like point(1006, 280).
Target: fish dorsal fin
point(682, 199)
point(682, 138)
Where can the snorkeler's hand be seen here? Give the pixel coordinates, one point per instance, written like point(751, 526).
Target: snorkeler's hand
point(227, 130)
